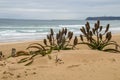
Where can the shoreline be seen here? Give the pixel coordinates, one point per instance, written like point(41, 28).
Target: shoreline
point(23, 41)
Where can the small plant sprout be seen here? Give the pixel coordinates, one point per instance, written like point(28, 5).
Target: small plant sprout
point(1, 55)
point(13, 53)
point(96, 38)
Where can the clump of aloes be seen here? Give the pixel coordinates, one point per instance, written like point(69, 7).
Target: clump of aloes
point(96, 38)
point(60, 41)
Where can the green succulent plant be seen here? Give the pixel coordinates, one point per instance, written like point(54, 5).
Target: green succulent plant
point(98, 39)
point(60, 41)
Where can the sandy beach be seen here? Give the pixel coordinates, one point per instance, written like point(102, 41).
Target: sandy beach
point(80, 64)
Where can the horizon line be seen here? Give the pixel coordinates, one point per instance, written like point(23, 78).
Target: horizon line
point(37, 19)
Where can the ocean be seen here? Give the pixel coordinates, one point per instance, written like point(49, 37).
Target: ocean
point(12, 30)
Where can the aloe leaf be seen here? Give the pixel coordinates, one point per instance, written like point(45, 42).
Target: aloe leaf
point(29, 63)
point(34, 47)
point(33, 56)
point(112, 50)
point(67, 48)
point(23, 60)
point(38, 44)
point(104, 45)
point(49, 51)
point(49, 57)
point(20, 53)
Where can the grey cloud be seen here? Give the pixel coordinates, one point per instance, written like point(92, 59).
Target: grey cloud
point(58, 9)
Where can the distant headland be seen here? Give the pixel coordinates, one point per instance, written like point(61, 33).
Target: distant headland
point(103, 18)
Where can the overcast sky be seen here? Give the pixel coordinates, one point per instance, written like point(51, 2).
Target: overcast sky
point(58, 9)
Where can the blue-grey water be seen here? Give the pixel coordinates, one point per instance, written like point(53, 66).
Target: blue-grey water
point(23, 30)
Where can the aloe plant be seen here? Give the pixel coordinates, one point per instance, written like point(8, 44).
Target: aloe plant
point(60, 41)
point(38, 50)
point(96, 38)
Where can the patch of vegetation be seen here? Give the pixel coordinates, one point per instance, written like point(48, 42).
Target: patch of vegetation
point(98, 39)
point(60, 41)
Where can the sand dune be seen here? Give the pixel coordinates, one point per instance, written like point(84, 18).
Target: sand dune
point(82, 64)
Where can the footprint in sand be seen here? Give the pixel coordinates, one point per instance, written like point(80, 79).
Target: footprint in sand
point(7, 75)
point(72, 66)
point(44, 66)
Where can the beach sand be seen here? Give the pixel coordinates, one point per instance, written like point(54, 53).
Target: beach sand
point(80, 64)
